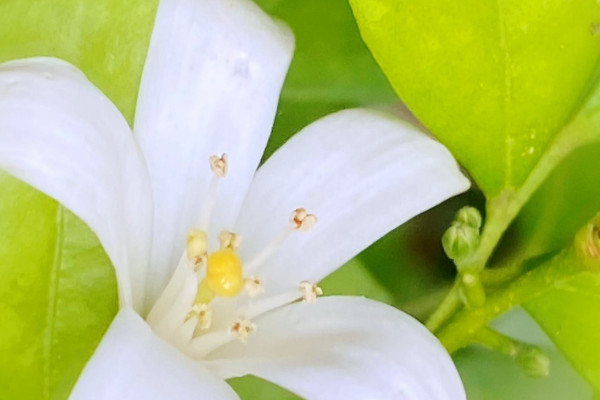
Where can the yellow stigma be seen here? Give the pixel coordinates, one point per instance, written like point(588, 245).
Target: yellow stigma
point(224, 273)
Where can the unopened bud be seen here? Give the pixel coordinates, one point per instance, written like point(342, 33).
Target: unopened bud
point(460, 241)
point(534, 362)
point(469, 216)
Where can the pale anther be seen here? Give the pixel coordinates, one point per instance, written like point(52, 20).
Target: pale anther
point(310, 291)
point(229, 240)
point(302, 220)
point(196, 246)
point(242, 328)
point(218, 165)
point(253, 286)
point(204, 314)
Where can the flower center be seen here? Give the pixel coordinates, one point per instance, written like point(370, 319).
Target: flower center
point(224, 273)
point(208, 301)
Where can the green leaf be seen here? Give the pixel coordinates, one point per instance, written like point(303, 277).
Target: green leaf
point(569, 314)
point(58, 290)
point(57, 294)
point(106, 39)
point(567, 199)
point(495, 81)
point(489, 375)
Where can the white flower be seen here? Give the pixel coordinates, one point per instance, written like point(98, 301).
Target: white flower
point(209, 266)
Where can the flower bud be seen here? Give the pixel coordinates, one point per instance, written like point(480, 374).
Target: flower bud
point(460, 241)
point(534, 362)
point(469, 216)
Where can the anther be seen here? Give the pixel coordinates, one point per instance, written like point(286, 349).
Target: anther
point(242, 328)
point(204, 315)
point(229, 240)
point(196, 246)
point(253, 286)
point(218, 165)
point(310, 291)
point(301, 220)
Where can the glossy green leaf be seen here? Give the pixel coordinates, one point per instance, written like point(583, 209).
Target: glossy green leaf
point(107, 39)
point(574, 189)
point(489, 375)
point(569, 314)
point(494, 81)
point(58, 291)
point(57, 294)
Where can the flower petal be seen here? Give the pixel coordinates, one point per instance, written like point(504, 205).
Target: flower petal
point(361, 172)
point(131, 362)
point(344, 348)
point(60, 134)
point(210, 86)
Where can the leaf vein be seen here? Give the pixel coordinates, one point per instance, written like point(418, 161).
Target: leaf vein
point(52, 302)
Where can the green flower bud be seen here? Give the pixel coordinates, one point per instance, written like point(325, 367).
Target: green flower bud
point(534, 361)
point(460, 241)
point(469, 216)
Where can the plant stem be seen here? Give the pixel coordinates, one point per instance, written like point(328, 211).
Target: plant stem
point(496, 341)
point(583, 255)
point(447, 307)
point(504, 207)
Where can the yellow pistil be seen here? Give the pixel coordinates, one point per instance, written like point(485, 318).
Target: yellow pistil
point(224, 273)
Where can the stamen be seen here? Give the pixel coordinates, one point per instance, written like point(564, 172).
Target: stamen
point(218, 165)
point(229, 240)
point(303, 221)
point(255, 308)
point(268, 251)
point(253, 286)
point(196, 247)
point(242, 328)
point(203, 316)
point(300, 220)
point(183, 335)
point(203, 313)
point(310, 291)
point(164, 303)
point(179, 308)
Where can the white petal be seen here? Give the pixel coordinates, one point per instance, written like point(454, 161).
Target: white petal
point(344, 348)
point(361, 172)
point(60, 134)
point(131, 362)
point(210, 86)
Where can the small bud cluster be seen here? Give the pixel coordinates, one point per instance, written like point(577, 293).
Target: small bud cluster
point(462, 238)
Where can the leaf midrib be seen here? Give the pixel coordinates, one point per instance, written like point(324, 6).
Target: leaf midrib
point(507, 93)
point(52, 303)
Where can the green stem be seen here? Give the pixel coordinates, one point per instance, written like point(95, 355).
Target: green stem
point(583, 255)
point(465, 324)
point(501, 275)
point(496, 341)
point(447, 307)
point(504, 207)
